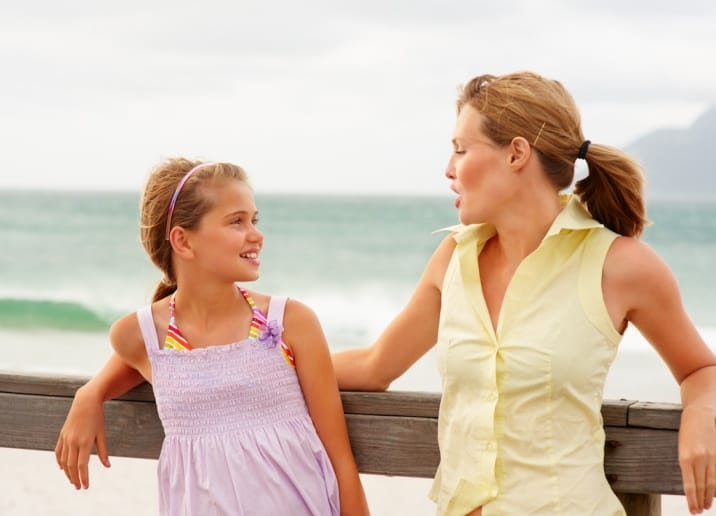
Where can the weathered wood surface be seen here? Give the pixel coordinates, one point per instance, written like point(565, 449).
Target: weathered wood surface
point(392, 433)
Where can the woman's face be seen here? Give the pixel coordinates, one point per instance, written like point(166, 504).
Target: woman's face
point(477, 169)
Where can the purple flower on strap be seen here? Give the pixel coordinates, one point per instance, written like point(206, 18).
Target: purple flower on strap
point(271, 335)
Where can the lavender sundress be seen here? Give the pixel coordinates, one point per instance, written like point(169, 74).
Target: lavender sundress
point(238, 436)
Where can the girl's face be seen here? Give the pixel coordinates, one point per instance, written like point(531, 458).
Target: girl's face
point(227, 242)
point(477, 169)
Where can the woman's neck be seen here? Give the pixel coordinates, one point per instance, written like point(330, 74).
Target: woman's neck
point(523, 227)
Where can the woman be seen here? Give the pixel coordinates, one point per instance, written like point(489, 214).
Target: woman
point(527, 302)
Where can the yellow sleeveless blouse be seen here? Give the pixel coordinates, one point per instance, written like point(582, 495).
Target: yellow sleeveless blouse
point(520, 428)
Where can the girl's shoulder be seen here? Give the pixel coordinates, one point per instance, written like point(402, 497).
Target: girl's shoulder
point(126, 338)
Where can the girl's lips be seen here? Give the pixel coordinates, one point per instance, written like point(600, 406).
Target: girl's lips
point(251, 257)
point(457, 201)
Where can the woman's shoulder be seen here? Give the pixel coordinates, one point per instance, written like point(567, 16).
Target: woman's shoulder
point(632, 263)
point(632, 254)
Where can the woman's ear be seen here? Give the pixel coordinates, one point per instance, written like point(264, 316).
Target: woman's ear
point(180, 242)
point(520, 151)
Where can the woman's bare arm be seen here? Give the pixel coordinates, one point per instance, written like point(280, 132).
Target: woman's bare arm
point(408, 337)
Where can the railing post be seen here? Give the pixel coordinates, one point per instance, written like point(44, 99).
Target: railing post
point(641, 504)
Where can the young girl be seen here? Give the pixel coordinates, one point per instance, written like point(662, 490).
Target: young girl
point(243, 382)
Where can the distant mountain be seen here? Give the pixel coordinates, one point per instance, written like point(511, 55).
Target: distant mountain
point(680, 162)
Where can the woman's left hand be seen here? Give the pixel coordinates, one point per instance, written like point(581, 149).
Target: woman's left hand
point(697, 457)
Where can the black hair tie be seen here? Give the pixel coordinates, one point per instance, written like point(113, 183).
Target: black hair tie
point(583, 149)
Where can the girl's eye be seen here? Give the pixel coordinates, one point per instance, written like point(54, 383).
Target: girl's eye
point(240, 221)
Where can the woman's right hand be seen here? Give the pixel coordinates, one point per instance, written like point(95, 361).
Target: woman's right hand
point(83, 429)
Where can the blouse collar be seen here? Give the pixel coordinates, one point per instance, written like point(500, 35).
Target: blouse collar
point(573, 217)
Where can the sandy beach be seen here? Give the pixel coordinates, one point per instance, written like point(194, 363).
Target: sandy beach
point(36, 486)
point(33, 485)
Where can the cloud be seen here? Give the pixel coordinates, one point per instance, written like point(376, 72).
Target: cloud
point(321, 96)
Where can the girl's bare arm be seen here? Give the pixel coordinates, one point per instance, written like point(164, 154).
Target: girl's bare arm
point(305, 337)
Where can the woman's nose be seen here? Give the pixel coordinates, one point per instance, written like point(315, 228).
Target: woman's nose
point(450, 170)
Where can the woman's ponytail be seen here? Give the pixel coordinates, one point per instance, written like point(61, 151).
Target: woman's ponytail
point(613, 190)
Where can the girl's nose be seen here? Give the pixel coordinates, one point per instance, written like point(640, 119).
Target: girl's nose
point(257, 234)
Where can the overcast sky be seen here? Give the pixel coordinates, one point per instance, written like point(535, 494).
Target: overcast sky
point(320, 96)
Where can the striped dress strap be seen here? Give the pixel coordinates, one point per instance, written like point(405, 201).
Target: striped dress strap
point(258, 319)
point(174, 338)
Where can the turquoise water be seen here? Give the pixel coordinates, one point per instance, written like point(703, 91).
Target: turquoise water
point(70, 263)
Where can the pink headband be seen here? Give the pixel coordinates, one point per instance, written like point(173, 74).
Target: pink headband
point(173, 202)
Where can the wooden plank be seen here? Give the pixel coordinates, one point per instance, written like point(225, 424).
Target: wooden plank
point(398, 403)
point(387, 445)
point(31, 421)
point(642, 460)
point(51, 385)
point(647, 414)
point(34, 422)
point(392, 433)
point(391, 445)
point(615, 412)
point(61, 385)
point(640, 504)
point(637, 460)
point(142, 392)
point(392, 403)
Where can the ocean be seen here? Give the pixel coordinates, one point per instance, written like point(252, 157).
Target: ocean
point(71, 263)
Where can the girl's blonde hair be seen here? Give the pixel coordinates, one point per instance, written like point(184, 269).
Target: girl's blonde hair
point(545, 114)
point(193, 201)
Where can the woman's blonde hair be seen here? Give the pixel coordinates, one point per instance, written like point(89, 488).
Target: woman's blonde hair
point(545, 114)
point(193, 201)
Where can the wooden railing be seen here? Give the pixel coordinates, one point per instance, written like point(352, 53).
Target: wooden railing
point(392, 433)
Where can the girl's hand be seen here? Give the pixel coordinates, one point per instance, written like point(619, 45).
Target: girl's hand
point(697, 457)
point(83, 428)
